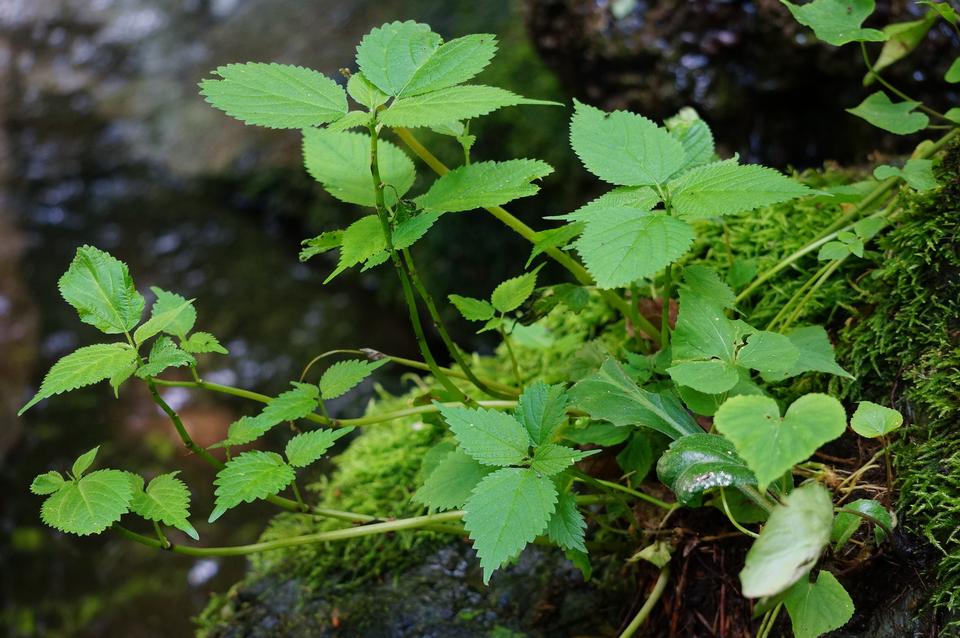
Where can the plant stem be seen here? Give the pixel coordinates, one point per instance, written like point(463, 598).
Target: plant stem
point(658, 588)
point(178, 425)
point(452, 347)
point(831, 268)
point(886, 528)
point(903, 96)
point(296, 495)
point(726, 510)
point(165, 543)
point(401, 273)
point(665, 310)
point(793, 299)
point(768, 622)
point(513, 357)
point(418, 522)
point(585, 478)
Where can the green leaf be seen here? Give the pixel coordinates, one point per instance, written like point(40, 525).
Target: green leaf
point(902, 38)
point(248, 477)
point(203, 342)
point(85, 366)
point(325, 241)
point(833, 250)
point(611, 395)
point(89, 505)
point(472, 309)
point(566, 527)
point(896, 117)
point(165, 500)
point(953, 115)
point(705, 283)
point(695, 137)
point(83, 462)
point(559, 237)
point(700, 462)
point(837, 22)
point(362, 241)
point(638, 457)
point(244, 430)
point(353, 119)
point(341, 162)
point(365, 93)
point(946, 11)
point(178, 318)
point(100, 288)
point(47, 483)
point(507, 510)
point(290, 405)
point(454, 62)
point(410, 230)
point(727, 188)
point(343, 376)
point(624, 148)
point(846, 524)
point(624, 244)
point(768, 352)
point(816, 355)
point(449, 485)
point(917, 173)
point(551, 459)
point(703, 331)
point(483, 185)
point(275, 95)
point(541, 408)
point(390, 55)
point(710, 377)
point(953, 73)
point(605, 434)
point(489, 436)
point(453, 103)
point(771, 445)
point(308, 447)
point(510, 294)
point(164, 354)
point(641, 198)
point(872, 420)
point(790, 543)
point(816, 608)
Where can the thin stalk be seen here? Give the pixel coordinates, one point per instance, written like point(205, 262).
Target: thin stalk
point(622, 488)
point(886, 528)
point(768, 622)
point(832, 268)
point(296, 495)
point(165, 543)
point(402, 274)
point(185, 437)
point(658, 588)
point(418, 522)
point(665, 311)
point(903, 96)
point(513, 357)
point(793, 299)
point(733, 521)
point(452, 347)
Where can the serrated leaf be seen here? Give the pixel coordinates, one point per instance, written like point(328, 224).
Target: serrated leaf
point(248, 477)
point(410, 230)
point(47, 483)
point(203, 342)
point(325, 241)
point(308, 447)
point(846, 523)
point(472, 309)
point(483, 184)
point(340, 160)
point(816, 355)
point(768, 352)
point(622, 245)
point(343, 376)
point(353, 119)
point(695, 137)
point(164, 354)
point(244, 430)
point(624, 148)
point(727, 188)
point(551, 459)
point(390, 55)
point(896, 117)
point(873, 420)
point(82, 367)
point(837, 22)
point(362, 241)
point(489, 436)
point(83, 462)
point(816, 608)
point(944, 9)
point(450, 484)
point(771, 445)
point(700, 462)
point(712, 376)
point(365, 92)
point(171, 313)
point(452, 63)
point(566, 527)
point(510, 294)
point(611, 395)
point(917, 173)
point(507, 510)
point(453, 103)
point(275, 95)
point(640, 198)
point(100, 288)
point(290, 405)
point(542, 408)
point(705, 283)
point(89, 505)
point(559, 237)
point(790, 543)
point(165, 500)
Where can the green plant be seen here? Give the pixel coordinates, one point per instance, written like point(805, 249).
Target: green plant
point(511, 473)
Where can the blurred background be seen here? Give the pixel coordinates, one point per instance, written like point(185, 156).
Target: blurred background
point(104, 140)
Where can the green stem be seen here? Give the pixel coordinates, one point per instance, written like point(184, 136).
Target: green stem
point(513, 357)
point(452, 347)
point(733, 521)
point(298, 497)
point(164, 542)
point(886, 528)
point(769, 621)
point(831, 268)
point(418, 522)
point(665, 311)
point(658, 588)
point(401, 273)
point(185, 437)
point(903, 96)
point(622, 488)
point(793, 299)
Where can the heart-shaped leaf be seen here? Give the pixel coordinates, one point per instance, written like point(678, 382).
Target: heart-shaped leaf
point(699, 462)
point(771, 445)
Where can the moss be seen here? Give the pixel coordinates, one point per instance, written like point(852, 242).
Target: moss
point(905, 344)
